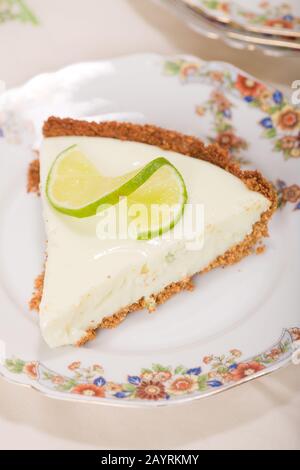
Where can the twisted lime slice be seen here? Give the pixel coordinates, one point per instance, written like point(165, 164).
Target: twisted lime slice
point(76, 188)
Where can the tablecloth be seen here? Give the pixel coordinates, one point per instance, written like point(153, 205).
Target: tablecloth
point(264, 414)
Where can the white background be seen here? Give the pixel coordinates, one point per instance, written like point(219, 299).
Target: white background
point(263, 414)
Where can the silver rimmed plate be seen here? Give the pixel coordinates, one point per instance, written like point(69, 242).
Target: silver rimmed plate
point(274, 17)
point(230, 23)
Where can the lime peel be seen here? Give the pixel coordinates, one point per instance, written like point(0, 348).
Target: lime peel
point(133, 184)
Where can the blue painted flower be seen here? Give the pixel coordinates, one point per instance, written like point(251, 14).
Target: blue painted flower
point(227, 113)
point(214, 383)
point(120, 395)
point(134, 379)
point(297, 207)
point(1, 133)
point(267, 123)
point(248, 99)
point(277, 97)
point(99, 381)
point(233, 366)
point(194, 371)
point(288, 17)
point(280, 184)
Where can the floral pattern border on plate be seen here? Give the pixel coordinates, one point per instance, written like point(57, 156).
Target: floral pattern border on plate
point(281, 123)
point(272, 16)
point(159, 382)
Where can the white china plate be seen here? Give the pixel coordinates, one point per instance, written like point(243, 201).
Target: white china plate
point(224, 20)
point(273, 14)
point(239, 323)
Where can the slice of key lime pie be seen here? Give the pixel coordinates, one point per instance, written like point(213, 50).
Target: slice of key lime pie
point(97, 271)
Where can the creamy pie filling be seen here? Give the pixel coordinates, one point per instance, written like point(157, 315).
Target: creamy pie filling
point(87, 279)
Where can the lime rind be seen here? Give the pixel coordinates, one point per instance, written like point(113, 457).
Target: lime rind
point(126, 189)
point(151, 233)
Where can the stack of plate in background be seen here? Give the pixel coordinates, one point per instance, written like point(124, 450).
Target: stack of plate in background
point(272, 26)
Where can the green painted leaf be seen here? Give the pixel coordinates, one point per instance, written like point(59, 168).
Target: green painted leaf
point(47, 376)
point(180, 370)
point(280, 202)
point(129, 387)
point(273, 109)
point(285, 347)
point(172, 68)
point(224, 126)
point(259, 19)
point(15, 365)
point(16, 10)
point(257, 359)
point(160, 368)
point(212, 4)
point(270, 133)
point(202, 382)
point(268, 361)
point(25, 12)
point(146, 371)
point(68, 385)
point(277, 146)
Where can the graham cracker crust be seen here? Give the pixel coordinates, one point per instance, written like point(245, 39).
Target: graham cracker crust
point(33, 177)
point(177, 142)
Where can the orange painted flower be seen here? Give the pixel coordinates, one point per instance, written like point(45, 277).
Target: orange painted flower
point(230, 141)
point(264, 95)
point(222, 102)
point(151, 390)
point(249, 15)
point(235, 352)
point(224, 7)
point(207, 359)
point(74, 365)
point(288, 118)
point(31, 369)
point(288, 142)
point(245, 370)
point(226, 376)
point(291, 193)
point(183, 384)
point(279, 23)
point(217, 76)
point(295, 152)
point(213, 374)
point(274, 353)
point(248, 87)
point(113, 387)
point(200, 110)
point(89, 390)
point(146, 376)
point(57, 380)
point(162, 376)
point(264, 4)
point(188, 70)
point(295, 332)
